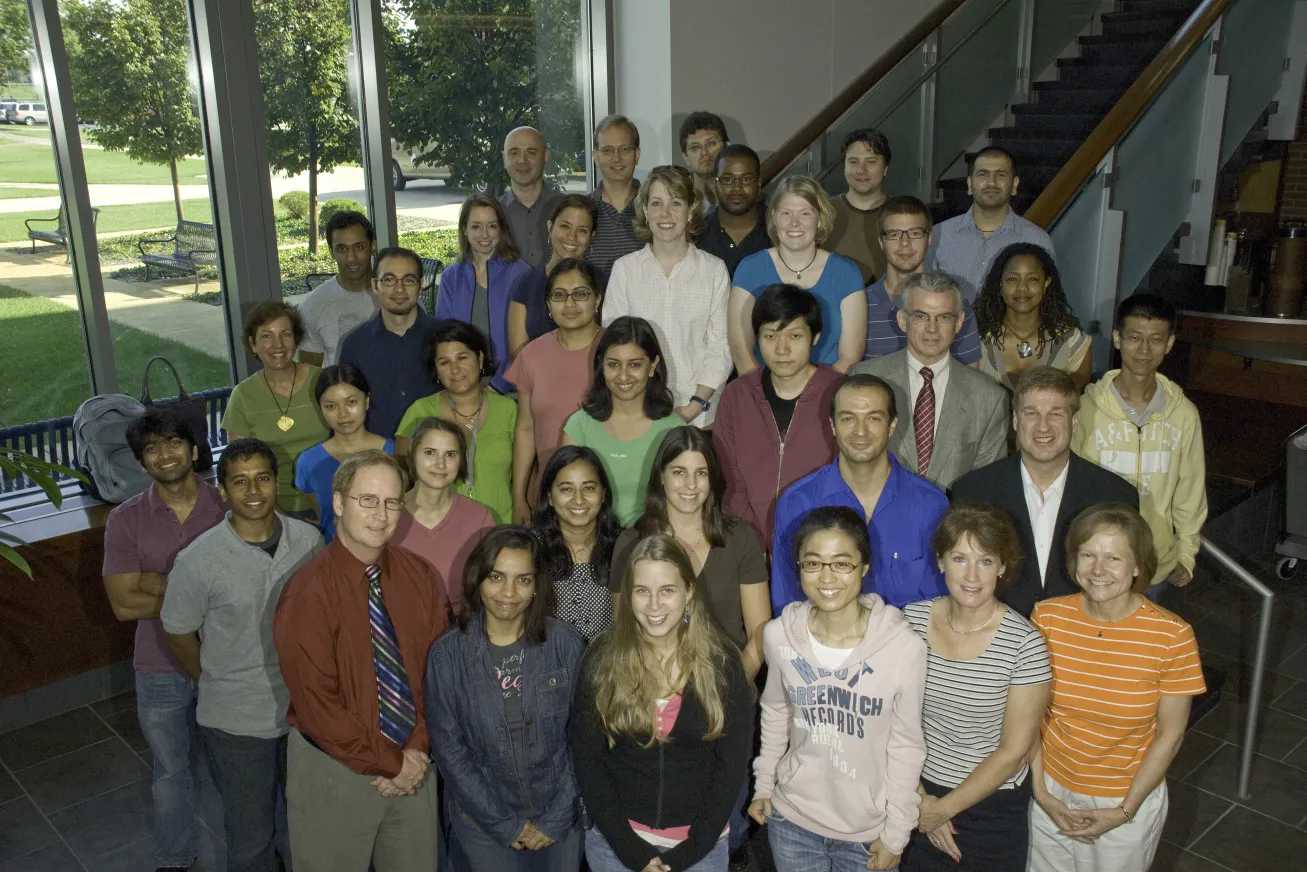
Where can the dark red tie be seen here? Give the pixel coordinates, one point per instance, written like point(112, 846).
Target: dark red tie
point(923, 420)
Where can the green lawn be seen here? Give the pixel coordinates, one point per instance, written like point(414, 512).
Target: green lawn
point(113, 219)
point(14, 91)
point(11, 193)
point(43, 359)
point(20, 162)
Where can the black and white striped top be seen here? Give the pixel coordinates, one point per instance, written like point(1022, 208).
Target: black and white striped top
point(962, 712)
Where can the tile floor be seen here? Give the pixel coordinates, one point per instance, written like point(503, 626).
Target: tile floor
point(74, 789)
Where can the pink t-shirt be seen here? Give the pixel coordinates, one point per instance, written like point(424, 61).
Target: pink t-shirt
point(556, 380)
point(447, 545)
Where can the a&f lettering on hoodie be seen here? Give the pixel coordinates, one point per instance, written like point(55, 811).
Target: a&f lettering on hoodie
point(842, 750)
point(1163, 459)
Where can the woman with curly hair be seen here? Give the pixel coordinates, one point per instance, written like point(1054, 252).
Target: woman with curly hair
point(1025, 321)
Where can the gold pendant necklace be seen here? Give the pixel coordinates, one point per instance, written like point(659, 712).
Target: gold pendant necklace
point(285, 421)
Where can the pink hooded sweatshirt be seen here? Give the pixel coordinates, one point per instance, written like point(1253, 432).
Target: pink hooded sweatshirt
point(842, 751)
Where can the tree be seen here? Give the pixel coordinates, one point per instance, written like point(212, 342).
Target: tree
point(462, 73)
point(128, 61)
point(304, 66)
point(15, 40)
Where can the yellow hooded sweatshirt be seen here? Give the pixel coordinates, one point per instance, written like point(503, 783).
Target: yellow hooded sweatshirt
point(1163, 459)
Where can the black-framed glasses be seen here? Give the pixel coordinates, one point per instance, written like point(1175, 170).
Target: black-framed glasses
point(916, 234)
point(839, 567)
point(371, 501)
point(581, 296)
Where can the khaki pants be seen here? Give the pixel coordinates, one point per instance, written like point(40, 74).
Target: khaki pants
point(339, 823)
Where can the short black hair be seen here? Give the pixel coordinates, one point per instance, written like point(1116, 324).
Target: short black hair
point(481, 562)
point(870, 137)
point(576, 201)
point(349, 218)
point(629, 330)
point(784, 303)
point(453, 330)
point(737, 150)
point(839, 518)
point(991, 151)
point(865, 380)
point(702, 120)
point(575, 264)
point(165, 422)
point(337, 374)
point(242, 449)
point(396, 251)
point(1146, 306)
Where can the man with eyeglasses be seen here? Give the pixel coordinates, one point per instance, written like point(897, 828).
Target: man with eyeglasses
point(904, 228)
point(866, 155)
point(702, 137)
point(389, 347)
point(959, 416)
point(900, 507)
point(735, 229)
point(617, 153)
point(352, 632)
point(528, 203)
point(217, 621)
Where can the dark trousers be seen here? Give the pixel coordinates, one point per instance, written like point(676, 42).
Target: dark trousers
point(993, 835)
point(249, 774)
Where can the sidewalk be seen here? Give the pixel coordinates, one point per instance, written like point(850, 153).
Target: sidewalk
point(148, 307)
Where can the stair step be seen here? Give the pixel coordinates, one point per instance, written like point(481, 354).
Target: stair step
point(1097, 75)
point(1142, 23)
point(1065, 95)
point(1185, 6)
point(1121, 51)
point(1040, 123)
point(1032, 149)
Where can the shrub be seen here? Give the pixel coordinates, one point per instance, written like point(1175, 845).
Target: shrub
point(296, 203)
point(340, 204)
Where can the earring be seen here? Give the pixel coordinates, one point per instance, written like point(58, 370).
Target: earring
point(687, 617)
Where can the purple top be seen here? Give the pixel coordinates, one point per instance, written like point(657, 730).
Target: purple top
point(142, 535)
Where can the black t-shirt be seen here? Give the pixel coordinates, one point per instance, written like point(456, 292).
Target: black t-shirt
point(270, 546)
point(781, 409)
point(507, 660)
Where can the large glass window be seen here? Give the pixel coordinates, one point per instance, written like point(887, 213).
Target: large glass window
point(134, 79)
point(43, 364)
point(462, 74)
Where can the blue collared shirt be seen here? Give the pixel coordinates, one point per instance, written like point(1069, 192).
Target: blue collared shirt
point(903, 567)
point(961, 250)
point(884, 336)
point(394, 368)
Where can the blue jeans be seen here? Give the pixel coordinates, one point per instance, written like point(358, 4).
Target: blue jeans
point(795, 849)
point(479, 852)
point(599, 854)
point(249, 774)
point(165, 706)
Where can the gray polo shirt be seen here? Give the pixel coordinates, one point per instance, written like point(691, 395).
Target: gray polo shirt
point(527, 224)
point(226, 589)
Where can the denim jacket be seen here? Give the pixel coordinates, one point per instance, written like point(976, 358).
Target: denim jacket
point(470, 739)
point(458, 286)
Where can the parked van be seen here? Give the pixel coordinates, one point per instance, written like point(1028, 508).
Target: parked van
point(28, 113)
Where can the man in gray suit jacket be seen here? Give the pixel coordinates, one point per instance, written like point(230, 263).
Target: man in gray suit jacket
point(959, 417)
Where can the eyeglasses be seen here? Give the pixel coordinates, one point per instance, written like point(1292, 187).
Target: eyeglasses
point(914, 233)
point(706, 145)
point(371, 501)
point(839, 567)
point(390, 282)
point(947, 319)
point(580, 296)
point(742, 181)
point(610, 151)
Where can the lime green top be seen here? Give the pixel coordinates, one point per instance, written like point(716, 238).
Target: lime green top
point(627, 461)
point(491, 450)
point(253, 410)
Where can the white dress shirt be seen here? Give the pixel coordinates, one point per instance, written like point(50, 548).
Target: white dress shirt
point(1043, 507)
point(688, 312)
point(915, 383)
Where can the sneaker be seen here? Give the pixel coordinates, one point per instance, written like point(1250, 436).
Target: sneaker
point(739, 861)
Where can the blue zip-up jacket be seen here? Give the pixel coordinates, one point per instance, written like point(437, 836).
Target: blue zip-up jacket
point(903, 566)
point(457, 287)
point(470, 739)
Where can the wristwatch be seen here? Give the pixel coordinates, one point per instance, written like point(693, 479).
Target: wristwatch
point(704, 405)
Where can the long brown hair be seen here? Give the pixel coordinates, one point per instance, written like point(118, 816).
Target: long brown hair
point(507, 248)
point(716, 523)
point(621, 661)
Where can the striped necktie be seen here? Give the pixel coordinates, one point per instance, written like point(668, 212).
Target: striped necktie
point(923, 420)
point(394, 696)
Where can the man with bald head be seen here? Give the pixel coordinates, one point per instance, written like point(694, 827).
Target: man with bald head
point(527, 202)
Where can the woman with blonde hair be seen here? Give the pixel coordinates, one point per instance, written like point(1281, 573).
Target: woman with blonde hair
point(661, 725)
point(800, 218)
point(677, 288)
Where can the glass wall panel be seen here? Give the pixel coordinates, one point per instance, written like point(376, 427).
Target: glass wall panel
point(43, 365)
point(461, 75)
point(135, 85)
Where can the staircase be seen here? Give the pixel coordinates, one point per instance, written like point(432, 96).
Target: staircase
point(1064, 111)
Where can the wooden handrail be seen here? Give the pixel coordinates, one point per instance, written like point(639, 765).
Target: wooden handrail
point(1122, 116)
point(857, 89)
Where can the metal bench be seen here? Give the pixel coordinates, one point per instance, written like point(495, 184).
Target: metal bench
point(431, 268)
point(57, 235)
point(312, 280)
point(192, 247)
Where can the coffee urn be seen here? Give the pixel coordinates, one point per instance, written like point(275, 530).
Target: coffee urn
point(1288, 273)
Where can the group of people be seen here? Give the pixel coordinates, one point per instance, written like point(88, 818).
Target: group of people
point(624, 600)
